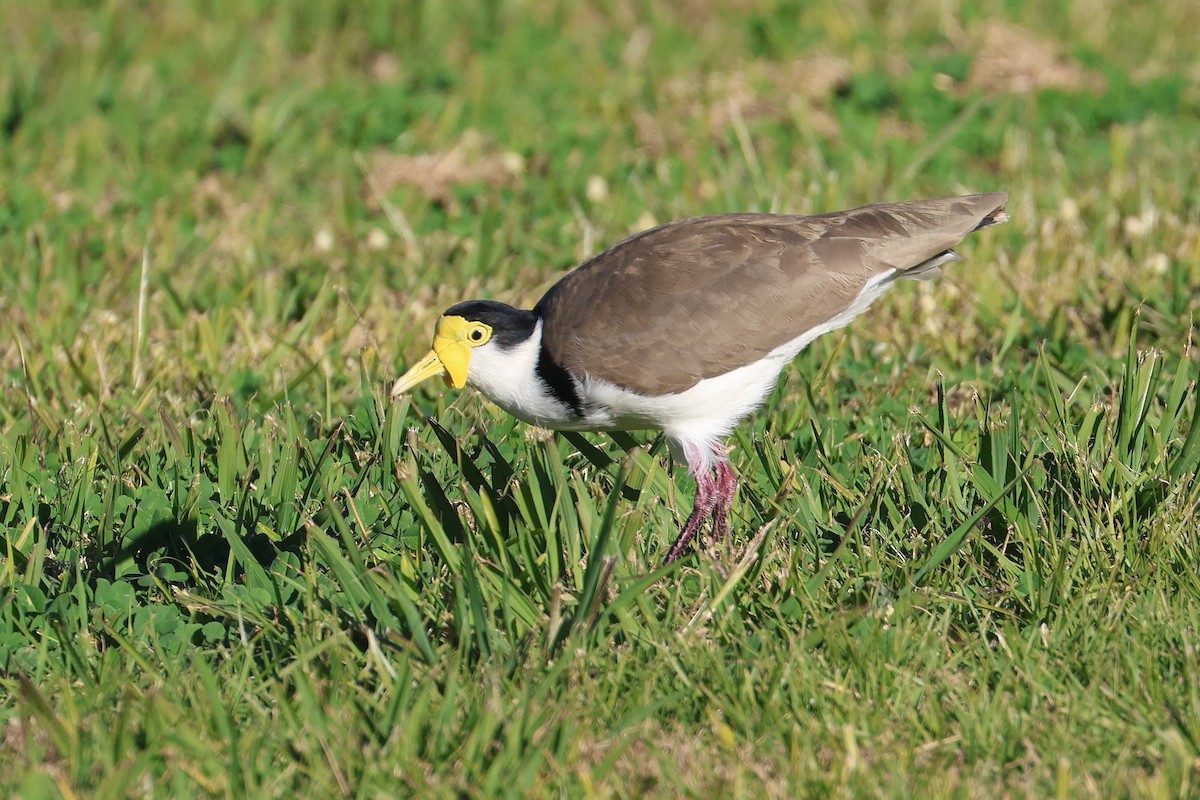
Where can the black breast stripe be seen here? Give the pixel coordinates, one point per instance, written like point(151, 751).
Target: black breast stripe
point(559, 381)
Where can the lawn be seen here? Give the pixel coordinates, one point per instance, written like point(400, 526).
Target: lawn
point(965, 558)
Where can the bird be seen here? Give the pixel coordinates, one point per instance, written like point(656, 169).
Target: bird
point(686, 327)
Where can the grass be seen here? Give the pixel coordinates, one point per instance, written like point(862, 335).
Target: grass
point(965, 554)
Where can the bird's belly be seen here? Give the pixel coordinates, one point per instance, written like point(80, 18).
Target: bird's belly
point(712, 407)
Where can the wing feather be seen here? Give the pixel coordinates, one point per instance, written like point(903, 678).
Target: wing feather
point(693, 299)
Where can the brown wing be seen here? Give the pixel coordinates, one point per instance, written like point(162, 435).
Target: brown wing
point(697, 298)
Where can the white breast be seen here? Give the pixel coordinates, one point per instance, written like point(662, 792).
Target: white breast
point(508, 377)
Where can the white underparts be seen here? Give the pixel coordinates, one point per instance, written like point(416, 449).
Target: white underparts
point(694, 420)
point(928, 270)
point(508, 377)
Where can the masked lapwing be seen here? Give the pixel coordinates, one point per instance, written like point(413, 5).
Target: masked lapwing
point(686, 327)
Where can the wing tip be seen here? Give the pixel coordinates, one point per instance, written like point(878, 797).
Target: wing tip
point(997, 215)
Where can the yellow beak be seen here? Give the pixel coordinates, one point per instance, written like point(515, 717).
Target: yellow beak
point(449, 357)
point(428, 367)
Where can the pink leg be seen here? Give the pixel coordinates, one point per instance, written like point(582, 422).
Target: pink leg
point(702, 509)
point(726, 485)
point(715, 485)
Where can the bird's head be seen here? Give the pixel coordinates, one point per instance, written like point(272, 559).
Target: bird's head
point(468, 337)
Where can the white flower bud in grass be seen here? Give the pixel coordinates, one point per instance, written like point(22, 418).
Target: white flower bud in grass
point(597, 189)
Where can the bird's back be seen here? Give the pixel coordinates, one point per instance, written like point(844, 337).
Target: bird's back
point(694, 299)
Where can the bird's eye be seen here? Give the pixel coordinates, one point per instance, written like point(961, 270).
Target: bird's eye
point(479, 334)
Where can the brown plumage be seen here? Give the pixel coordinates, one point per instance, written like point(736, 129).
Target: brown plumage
point(725, 290)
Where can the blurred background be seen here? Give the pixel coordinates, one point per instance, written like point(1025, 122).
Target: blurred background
point(318, 180)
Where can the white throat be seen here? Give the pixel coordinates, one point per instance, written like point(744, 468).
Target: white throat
point(508, 377)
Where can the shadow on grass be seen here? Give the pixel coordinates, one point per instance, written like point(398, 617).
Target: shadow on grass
point(208, 554)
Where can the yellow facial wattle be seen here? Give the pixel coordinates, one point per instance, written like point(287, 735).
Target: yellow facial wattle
point(450, 356)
